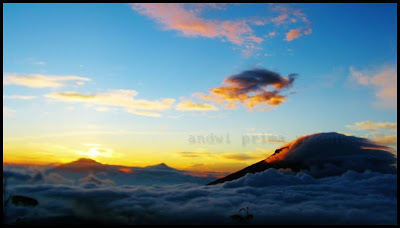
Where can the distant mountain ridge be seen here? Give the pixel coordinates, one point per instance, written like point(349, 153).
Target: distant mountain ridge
point(87, 164)
point(153, 174)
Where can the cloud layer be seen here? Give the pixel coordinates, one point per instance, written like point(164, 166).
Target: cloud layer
point(43, 81)
point(251, 89)
point(373, 126)
point(272, 196)
point(349, 180)
point(118, 98)
point(189, 105)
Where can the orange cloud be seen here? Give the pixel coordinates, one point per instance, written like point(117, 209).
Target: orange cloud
point(280, 19)
point(186, 19)
point(126, 170)
point(293, 34)
point(250, 89)
point(382, 80)
point(295, 16)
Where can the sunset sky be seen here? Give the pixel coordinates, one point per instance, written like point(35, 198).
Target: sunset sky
point(140, 84)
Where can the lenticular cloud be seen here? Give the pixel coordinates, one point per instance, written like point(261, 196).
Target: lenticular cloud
point(329, 154)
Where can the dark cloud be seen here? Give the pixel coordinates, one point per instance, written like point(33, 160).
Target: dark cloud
point(27, 175)
point(257, 87)
point(258, 79)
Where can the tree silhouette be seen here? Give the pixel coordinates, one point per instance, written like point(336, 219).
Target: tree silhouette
point(17, 200)
point(242, 218)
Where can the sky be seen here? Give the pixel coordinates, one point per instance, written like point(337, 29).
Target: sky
point(205, 87)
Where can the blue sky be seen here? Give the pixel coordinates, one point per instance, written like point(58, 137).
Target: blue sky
point(345, 56)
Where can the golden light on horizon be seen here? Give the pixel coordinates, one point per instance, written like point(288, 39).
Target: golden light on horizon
point(95, 152)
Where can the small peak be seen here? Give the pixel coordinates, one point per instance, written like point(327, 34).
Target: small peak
point(86, 160)
point(161, 165)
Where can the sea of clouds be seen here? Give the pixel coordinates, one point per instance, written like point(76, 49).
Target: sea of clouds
point(274, 196)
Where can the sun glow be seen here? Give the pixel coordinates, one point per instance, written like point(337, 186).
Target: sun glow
point(95, 152)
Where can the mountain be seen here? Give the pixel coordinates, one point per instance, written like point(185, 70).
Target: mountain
point(81, 169)
point(82, 165)
point(325, 154)
point(257, 167)
point(161, 166)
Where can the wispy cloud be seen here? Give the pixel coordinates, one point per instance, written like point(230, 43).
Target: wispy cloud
point(189, 105)
point(243, 156)
point(102, 109)
point(384, 133)
point(43, 81)
point(118, 98)
point(290, 15)
point(385, 139)
point(7, 112)
point(188, 19)
point(373, 126)
point(143, 113)
point(254, 156)
point(19, 97)
point(383, 81)
point(42, 63)
point(250, 89)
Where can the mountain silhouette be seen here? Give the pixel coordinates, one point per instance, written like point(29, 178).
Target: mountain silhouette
point(153, 174)
point(161, 166)
point(324, 154)
point(255, 168)
point(82, 165)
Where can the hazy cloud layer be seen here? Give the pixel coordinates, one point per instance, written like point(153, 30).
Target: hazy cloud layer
point(19, 97)
point(43, 81)
point(119, 98)
point(7, 112)
point(383, 81)
point(252, 88)
point(188, 19)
